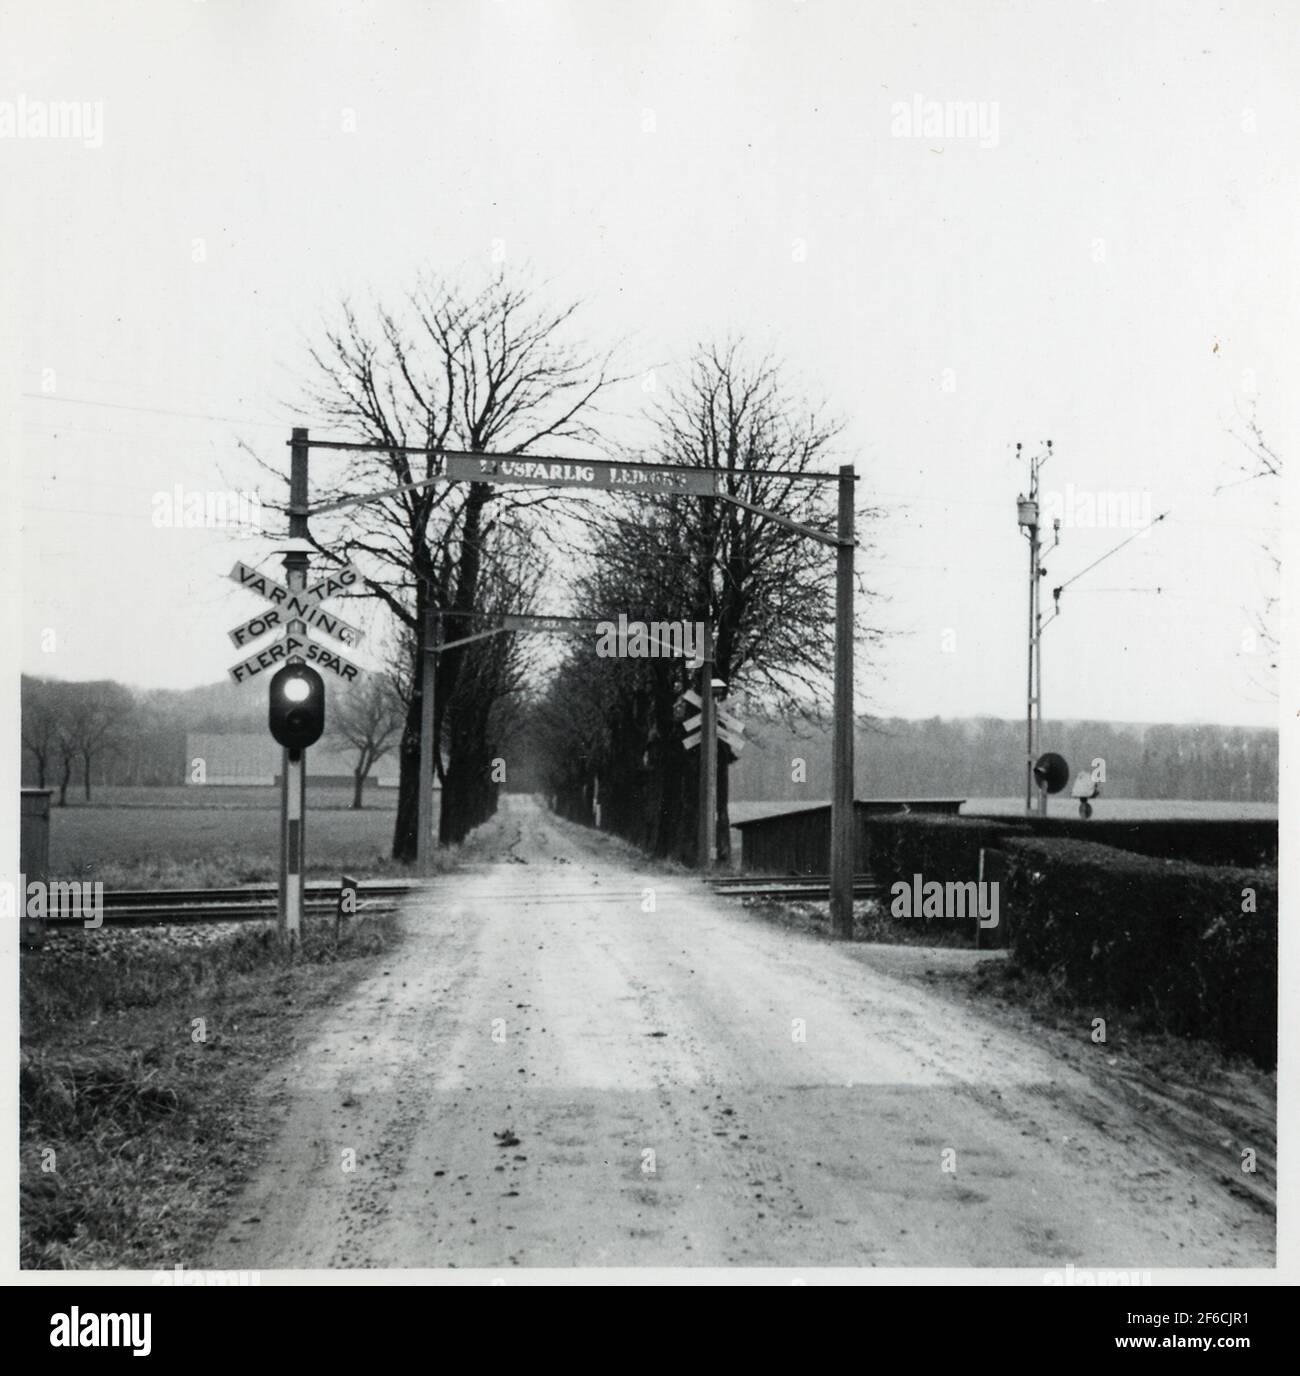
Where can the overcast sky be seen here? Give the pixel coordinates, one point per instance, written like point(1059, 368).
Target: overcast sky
point(1107, 258)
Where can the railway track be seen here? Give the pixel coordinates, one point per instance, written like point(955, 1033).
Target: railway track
point(257, 902)
point(244, 903)
point(811, 887)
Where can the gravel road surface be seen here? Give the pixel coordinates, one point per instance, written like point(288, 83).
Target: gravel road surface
point(547, 1073)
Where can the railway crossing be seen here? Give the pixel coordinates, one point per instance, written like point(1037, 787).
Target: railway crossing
point(297, 606)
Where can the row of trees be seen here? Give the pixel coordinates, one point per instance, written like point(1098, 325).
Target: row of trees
point(104, 732)
point(609, 727)
point(76, 734)
point(983, 757)
point(494, 370)
point(66, 726)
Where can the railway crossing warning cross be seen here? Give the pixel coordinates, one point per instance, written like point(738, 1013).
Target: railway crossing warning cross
point(296, 701)
point(729, 728)
point(292, 614)
point(294, 611)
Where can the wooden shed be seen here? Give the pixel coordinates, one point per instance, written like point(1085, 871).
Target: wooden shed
point(798, 840)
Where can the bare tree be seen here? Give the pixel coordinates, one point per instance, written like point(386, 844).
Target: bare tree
point(369, 717)
point(66, 751)
point(444, 369)
point(483, 715)
point(92, 723)
point(41, 709)
point(766, 589)
point(1262, 462)
point(67, 724)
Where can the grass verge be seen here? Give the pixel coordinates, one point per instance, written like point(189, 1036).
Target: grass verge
point(138, 1055)
point(229, 868)
point(871, 922)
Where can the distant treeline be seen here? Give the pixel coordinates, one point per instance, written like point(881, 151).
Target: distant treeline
point(984, 757)
point(125, 736)
point(101, 732)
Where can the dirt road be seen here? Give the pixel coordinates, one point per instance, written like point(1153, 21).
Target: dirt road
point(548, 1074)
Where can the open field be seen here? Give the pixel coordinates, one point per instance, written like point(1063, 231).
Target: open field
point(181, 837)
point(1129, 809)
point(224, 798)
point(1116, 809)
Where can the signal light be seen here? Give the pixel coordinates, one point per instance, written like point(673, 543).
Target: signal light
point(297, 706)
point(1051, 772)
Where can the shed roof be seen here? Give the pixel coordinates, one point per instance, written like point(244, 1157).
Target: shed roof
point(872, 804)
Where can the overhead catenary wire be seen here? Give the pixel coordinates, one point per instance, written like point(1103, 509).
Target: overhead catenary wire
point(1056, 592)
point(149, 410)
point(1115, 549)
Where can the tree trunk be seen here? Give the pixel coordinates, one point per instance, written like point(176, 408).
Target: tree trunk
point(358, 782)
point(723, 814)
point(63, 783)
point(85, 760)
point(408, 782)
point(467, 797)
point(457, 790)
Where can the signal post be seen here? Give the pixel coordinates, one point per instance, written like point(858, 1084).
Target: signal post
point(293, 763)
point(708, 802)
point(296, 702)
point(426, 839)
point(843, 821)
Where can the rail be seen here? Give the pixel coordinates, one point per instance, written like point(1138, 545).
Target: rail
point(240, 903)
point(812, 887)
point(257, 902)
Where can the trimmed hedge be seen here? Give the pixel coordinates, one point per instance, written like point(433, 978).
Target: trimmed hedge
point(1202, 840)
point(1164, 936)
point(902, 844)
point(946, 849)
